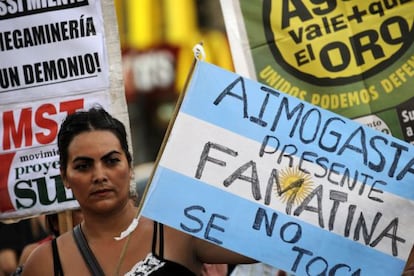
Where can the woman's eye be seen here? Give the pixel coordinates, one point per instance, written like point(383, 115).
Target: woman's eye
point(82, 167)
point(112, 161)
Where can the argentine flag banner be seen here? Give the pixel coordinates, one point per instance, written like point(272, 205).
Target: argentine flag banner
point(282, 181)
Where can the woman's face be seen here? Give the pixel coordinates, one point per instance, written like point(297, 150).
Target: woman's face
point(98, 171)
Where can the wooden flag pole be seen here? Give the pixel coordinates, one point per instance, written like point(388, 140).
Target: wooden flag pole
point(65, 221)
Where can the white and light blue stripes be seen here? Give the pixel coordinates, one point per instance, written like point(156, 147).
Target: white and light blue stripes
point(189, 189)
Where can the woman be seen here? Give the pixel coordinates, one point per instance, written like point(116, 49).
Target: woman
point(96, 164)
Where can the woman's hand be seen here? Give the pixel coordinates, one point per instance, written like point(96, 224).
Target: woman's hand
point(214, 270)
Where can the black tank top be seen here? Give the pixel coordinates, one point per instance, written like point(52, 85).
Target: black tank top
point(153, 265)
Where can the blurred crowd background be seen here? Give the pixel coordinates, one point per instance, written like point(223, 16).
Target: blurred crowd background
point(157, 38)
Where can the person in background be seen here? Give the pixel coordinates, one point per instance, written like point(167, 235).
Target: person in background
point(14, 237)
point(95, 163)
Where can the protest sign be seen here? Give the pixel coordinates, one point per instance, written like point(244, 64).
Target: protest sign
point(355, 58)
point(56, 57)
point(282, 181)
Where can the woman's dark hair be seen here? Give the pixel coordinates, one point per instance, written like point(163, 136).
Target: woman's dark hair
point(95, 118)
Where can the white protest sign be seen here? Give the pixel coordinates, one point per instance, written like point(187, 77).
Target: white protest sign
point(282, 181)
point(56, 57)
point(51, 49)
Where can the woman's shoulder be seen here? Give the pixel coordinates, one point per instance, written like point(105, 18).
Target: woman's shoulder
point(146, 221)
point(40, 261)
point(150, 226)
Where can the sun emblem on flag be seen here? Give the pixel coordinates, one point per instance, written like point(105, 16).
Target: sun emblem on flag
point(294, 185)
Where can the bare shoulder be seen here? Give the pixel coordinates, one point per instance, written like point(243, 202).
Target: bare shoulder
point(40, 261)
point(27, 250)
point(146, 222)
